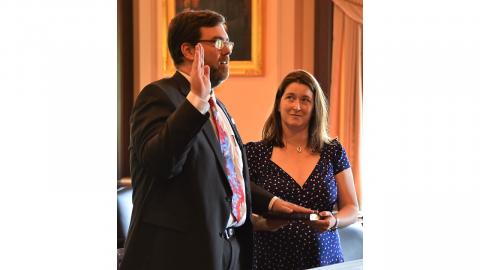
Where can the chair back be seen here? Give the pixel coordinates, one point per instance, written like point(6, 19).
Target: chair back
point(351, 239)
point(124, 209)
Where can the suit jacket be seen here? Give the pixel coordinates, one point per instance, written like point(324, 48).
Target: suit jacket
point(181, 196)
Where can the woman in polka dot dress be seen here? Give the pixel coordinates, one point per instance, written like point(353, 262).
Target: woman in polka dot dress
point(298, 162)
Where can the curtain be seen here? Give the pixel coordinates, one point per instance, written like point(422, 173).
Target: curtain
point(345, 118)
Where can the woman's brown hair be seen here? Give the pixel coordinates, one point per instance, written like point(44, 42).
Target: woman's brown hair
point(318, 126)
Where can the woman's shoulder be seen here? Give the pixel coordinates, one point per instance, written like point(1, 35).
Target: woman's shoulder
point(337, 155)
point(334, 146)
point(258, 148)
point(258, 145)
point(333, 143)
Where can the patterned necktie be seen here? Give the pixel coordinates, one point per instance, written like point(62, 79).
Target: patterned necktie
point(232, 171)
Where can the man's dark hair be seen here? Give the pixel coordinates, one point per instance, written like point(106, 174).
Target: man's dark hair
point(185, 28)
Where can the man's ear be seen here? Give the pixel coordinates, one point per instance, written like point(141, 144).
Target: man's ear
point(188, 51)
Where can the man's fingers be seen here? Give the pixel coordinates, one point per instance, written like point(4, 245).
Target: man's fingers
point(206, 71)
point(195, 59)
point(287, 207)
point(281, 206)
point(202, 53)
point(300, 209)
point(198, 59)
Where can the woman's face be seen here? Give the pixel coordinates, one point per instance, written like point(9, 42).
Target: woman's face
point(296, 105)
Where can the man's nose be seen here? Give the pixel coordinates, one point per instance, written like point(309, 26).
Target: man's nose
point(226, 50)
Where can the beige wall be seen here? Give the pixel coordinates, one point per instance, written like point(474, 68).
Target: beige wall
point(288, 44)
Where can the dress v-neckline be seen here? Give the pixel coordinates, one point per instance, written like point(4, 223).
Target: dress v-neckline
point(289, 176)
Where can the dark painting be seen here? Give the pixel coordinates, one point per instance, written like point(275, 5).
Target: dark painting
point(238, 14)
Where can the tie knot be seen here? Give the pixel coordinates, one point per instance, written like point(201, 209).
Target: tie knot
point(211, 102)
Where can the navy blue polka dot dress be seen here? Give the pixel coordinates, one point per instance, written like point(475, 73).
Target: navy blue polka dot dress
point(297, 245)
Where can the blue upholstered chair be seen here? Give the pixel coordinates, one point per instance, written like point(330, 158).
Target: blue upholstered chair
point(351, 239)
point(124, 208)
point(124, 212)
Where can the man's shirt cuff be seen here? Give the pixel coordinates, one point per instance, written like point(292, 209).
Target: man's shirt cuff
point(270, 205)
point(199, 103)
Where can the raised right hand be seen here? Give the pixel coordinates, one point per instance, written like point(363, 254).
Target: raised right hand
point(200, 74)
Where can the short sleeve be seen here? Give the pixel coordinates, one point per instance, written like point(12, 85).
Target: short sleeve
point(340, 160)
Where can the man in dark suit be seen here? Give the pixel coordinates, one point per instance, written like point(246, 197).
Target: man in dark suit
point(186, 212)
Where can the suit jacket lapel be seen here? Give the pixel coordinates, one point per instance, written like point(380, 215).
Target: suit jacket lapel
point(208, 130)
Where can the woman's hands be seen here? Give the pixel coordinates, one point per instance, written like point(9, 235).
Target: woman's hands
point(326, 222)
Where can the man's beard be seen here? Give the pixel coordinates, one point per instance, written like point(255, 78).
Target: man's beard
point(217, 76)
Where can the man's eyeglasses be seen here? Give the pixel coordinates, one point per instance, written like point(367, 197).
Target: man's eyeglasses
point(220, 43)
